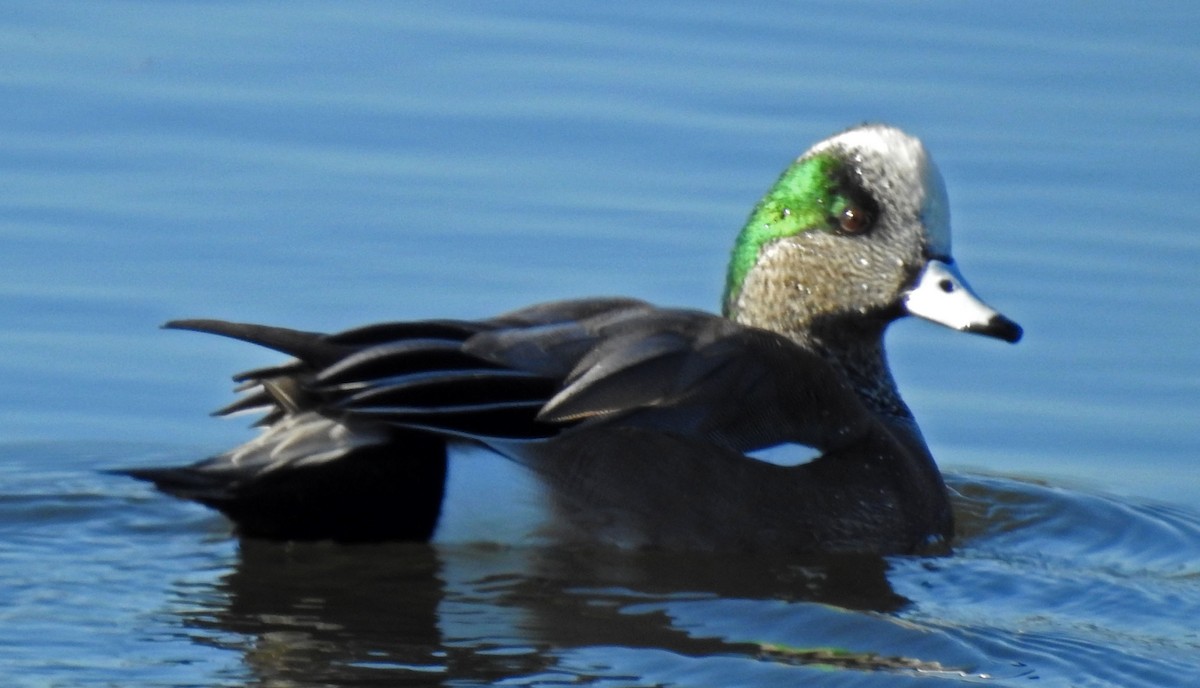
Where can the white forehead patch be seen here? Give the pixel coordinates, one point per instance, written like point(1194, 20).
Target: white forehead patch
point(919, 176)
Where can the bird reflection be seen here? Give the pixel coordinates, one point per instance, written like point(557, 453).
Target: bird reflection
point(416, 614)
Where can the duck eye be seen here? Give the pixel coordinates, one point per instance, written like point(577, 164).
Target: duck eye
point(855, 219)
point(852, 212)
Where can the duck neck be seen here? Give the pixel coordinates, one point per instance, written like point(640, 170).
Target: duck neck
point(772, 297)
point(854, 344)
point(856, 347)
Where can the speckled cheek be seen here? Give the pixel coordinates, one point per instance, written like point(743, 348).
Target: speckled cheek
point(772, 285)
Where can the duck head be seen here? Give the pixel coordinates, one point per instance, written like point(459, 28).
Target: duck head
point(854, 234)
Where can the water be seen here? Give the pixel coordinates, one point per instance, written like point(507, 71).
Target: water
point(323, 165)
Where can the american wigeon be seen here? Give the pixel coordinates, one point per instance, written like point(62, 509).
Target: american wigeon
point(638, 425)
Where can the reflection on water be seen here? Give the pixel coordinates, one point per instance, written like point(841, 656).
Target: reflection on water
point(1028, 575)
point(305, 611)
point(1045, 583)
point(317, 612)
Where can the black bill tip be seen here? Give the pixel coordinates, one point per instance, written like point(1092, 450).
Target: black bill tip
point(999, 327)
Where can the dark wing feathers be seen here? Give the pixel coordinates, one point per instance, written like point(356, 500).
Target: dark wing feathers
point(630, 371)
point(251, 377)
point(400, 358)
point(370, 335)
point(534, 372)
point(569, 310)
point(508, 420)
point(255, 400)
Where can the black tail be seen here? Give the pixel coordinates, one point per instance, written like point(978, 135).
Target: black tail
point(187, 482)
point(391, 491)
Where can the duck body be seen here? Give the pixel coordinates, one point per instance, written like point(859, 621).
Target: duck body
point(637, 425)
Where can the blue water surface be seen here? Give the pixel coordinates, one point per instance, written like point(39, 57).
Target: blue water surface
point(322, 165)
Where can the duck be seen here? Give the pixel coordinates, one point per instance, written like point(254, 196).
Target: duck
point(775, 425)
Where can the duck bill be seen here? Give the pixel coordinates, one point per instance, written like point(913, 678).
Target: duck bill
point(941, 295)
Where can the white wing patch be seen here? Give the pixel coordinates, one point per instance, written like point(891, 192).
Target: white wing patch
point(787, 454)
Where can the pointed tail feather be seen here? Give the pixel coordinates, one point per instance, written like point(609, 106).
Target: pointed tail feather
point(311, 347)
